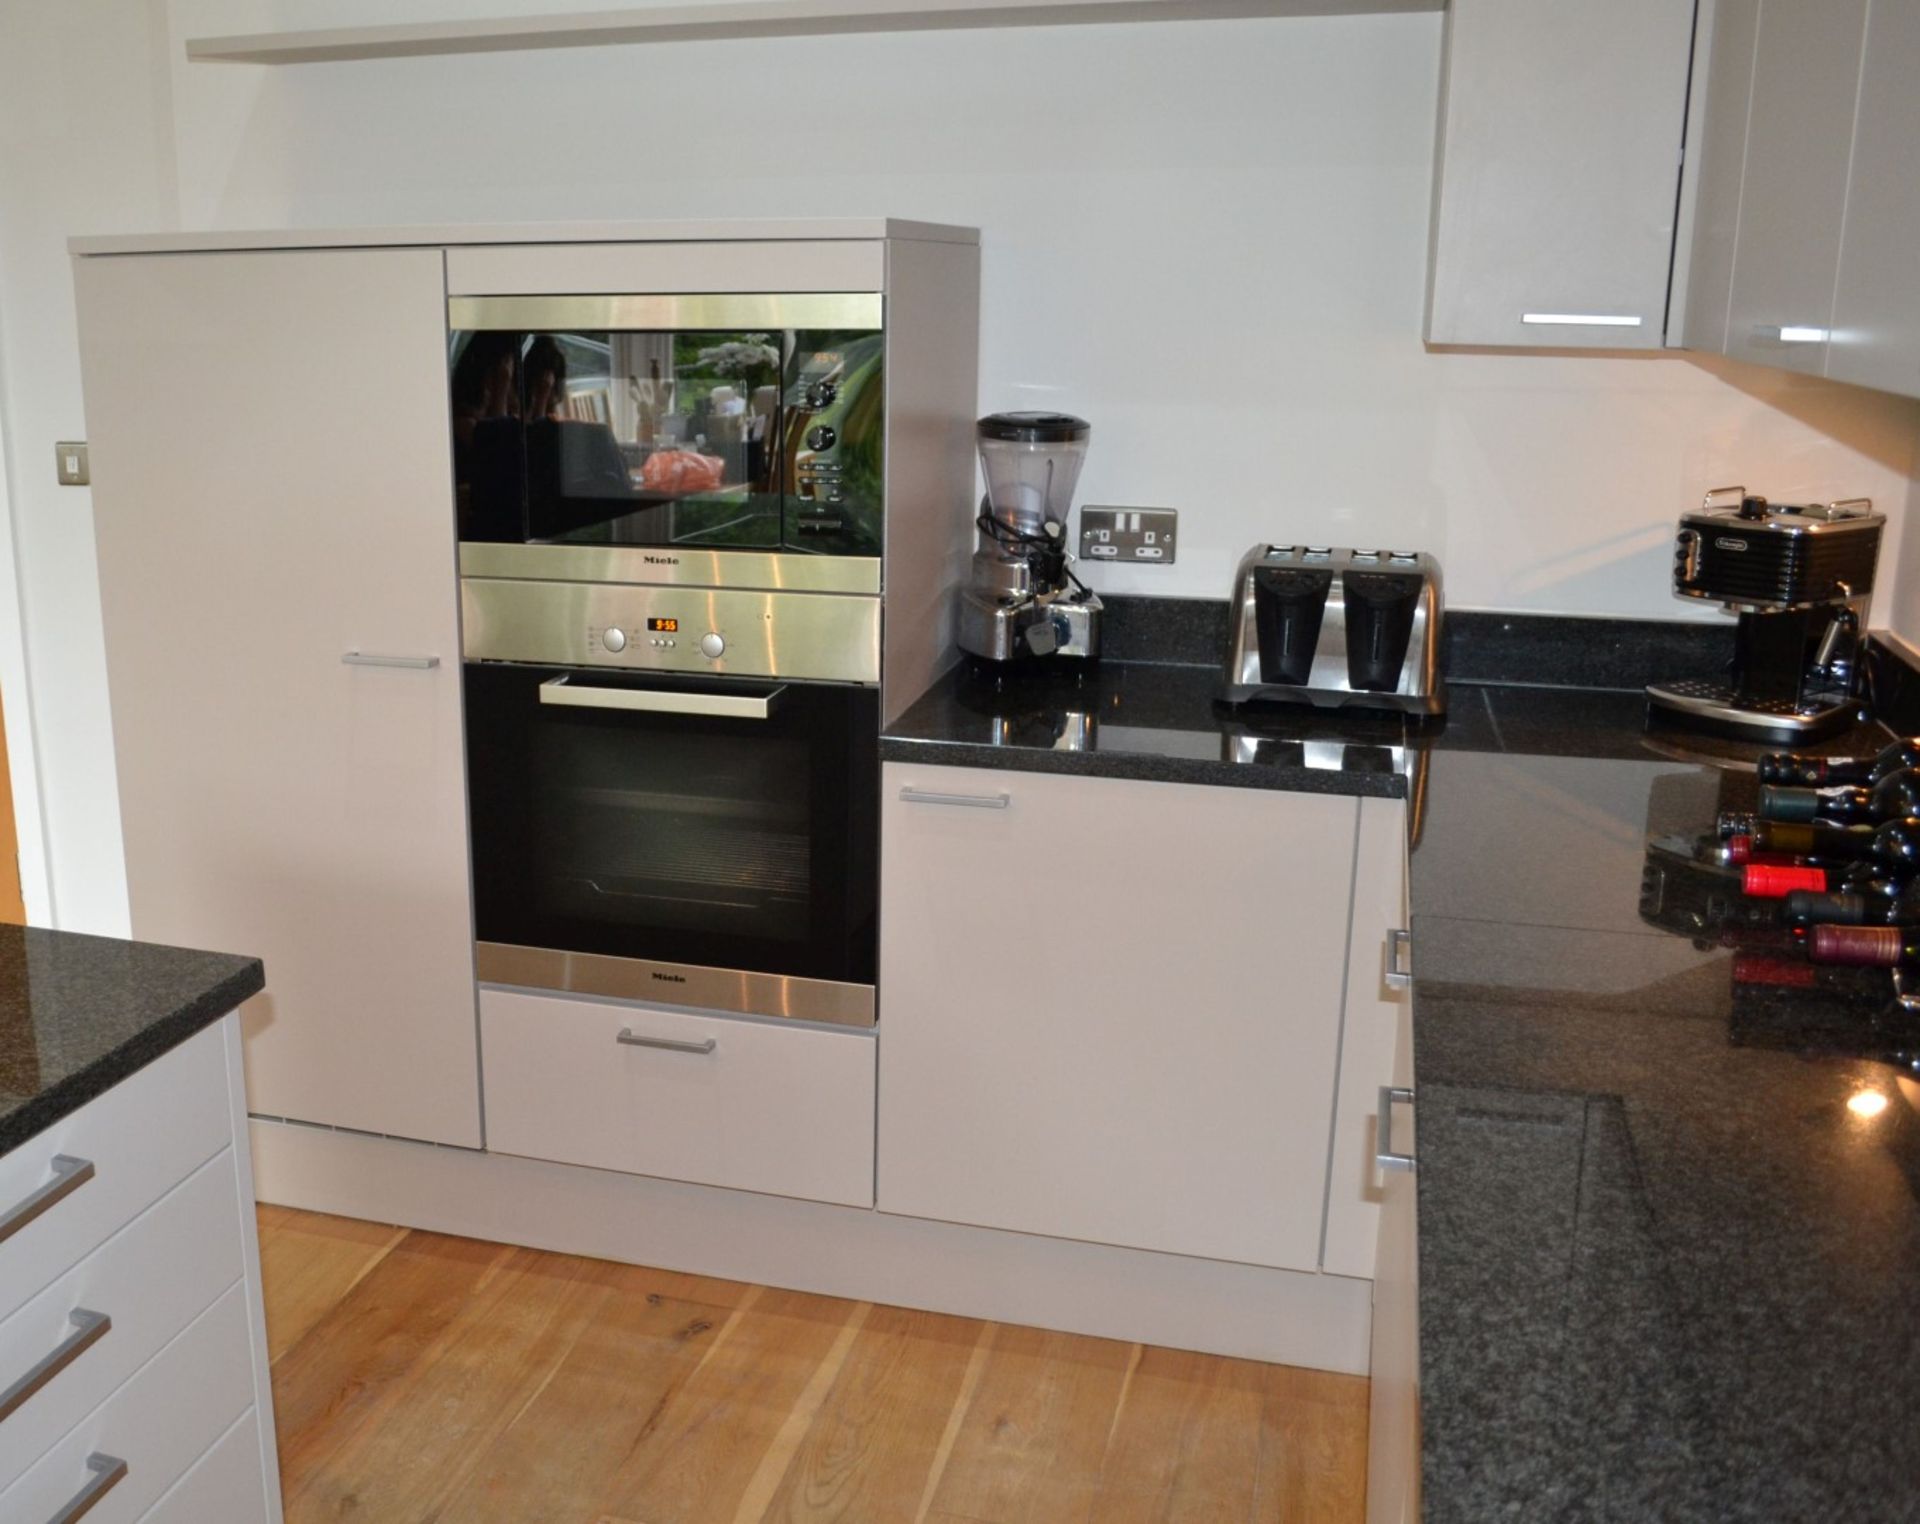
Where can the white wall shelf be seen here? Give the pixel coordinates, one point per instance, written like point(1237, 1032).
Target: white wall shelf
point(740, 18)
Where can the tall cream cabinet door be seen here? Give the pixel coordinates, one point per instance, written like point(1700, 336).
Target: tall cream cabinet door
point(273, 505)
point(1110, 1009)
point(1393, 1426)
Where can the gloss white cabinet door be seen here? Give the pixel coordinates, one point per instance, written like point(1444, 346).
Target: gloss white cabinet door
point(1110, 1009)
point(1393, 1428)
point(1561, 124)
point(273, 504)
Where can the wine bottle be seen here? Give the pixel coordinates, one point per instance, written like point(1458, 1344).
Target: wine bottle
point(1815, 772)
point(1817, 844)
point(1865, 946)
point(1895, 795)
point(1879, 902)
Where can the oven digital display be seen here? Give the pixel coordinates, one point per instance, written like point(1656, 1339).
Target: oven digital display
point(664, 626)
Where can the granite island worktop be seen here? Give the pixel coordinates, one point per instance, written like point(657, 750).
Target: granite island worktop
point(1666, 1271)
point(78, 1014)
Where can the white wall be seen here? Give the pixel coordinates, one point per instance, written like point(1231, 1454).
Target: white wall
point(1209, 238)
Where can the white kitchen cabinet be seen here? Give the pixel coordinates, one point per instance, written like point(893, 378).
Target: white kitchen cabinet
point(1722, 93)
point(1561, 126)
point(1110, 1009)
point(274, 507)
point(1793, 192)
point(1377, 998)
point(1876, 304)
point(1393, 1425)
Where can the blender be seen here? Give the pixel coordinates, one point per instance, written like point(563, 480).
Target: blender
point(1022, 599)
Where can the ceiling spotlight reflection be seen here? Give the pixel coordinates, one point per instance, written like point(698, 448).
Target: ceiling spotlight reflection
point(1867, 1103)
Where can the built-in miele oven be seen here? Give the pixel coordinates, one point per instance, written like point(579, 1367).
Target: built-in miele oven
point(674, 786)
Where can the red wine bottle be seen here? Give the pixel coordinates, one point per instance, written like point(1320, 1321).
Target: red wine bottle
point(1816, 772)
point(1817, 844)
point(1879, 902)
point(1865, 946)
point(1893, 796)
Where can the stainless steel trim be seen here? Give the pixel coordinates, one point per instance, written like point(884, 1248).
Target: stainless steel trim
point(365, 659)
point(770, 571)
point(629, 1038)
point(1399, 958)
point(730, 706)
point(108, 1472)
point(1716, 705)
point(977, 801)
point(1384, 1156)
point(826, 637)
point(69, 1174)
point(744, 991)
point(846, 310)
point(89, 1328)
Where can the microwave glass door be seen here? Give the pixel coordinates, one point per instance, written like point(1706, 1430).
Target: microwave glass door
point(736, 438)
point(727, 824)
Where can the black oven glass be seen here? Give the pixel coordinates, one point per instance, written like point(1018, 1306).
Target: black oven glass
point(724, 439)
point(685, 838)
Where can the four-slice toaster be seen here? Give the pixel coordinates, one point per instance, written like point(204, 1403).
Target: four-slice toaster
point(1336, 628)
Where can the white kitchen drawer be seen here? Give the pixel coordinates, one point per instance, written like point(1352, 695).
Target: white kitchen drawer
point(771, 1107)
point(150, 1280)
point(225, 1486)
point(159, 1423)
point(143, 1137)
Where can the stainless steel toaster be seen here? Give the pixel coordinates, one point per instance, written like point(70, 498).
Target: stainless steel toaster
point(1336, 628)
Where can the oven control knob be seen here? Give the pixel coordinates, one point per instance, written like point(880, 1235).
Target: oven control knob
point(821, 394)
point(712, 645)
point(614, 640)
point(821, 437)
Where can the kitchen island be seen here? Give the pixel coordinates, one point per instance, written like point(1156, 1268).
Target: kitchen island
point(132, 1341)
point(1668, 1232)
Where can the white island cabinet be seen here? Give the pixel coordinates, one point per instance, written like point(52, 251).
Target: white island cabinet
point(1111, 1009)
point(133, 1360)
point(273, 499)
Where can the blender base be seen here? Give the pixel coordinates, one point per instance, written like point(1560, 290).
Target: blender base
point(1020, 629)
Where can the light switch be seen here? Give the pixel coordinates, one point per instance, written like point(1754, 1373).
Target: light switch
point(70, 456)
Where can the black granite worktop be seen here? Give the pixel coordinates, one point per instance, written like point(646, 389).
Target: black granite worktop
point(1667, 1273)
point(78, 1014)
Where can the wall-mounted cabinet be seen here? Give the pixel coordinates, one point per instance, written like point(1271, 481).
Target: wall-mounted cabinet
point(1801, 253)
point(1555, 187)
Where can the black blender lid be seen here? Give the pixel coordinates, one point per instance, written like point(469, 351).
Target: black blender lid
point(1034, 428)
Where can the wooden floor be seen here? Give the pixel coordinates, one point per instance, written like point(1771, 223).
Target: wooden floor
point(424, 1378)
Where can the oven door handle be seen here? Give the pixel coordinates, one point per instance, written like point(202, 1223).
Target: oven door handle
point(726, 706)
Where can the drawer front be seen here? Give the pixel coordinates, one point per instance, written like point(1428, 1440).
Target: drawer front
point(142, 1138)
point(783, 1109)
point(159, 1423)
point(149, 1280)
point(225, 1486)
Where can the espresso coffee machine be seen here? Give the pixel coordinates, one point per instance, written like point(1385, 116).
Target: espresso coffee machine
point(1023, 599)
point(1798, 577)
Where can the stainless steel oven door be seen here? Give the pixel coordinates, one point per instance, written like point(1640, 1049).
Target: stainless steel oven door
point(707, 842)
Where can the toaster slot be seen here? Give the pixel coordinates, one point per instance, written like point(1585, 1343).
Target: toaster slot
point(1288, 606)
point(1380, 608)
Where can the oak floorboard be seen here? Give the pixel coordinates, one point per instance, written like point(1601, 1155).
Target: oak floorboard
point(427, 1379)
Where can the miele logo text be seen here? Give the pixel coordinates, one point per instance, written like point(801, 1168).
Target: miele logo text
point(668, 978)
point(1728, 544)
point(662, 560)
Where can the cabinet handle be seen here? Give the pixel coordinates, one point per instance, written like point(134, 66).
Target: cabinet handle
point(368, 659)
point(108, 1472)
point(1790, 333)
point(1385, 1157)
point(973, 801)
point(1580, 319)
point(69, 1174)
point(89, 1328)
point(1399, 958)
point(633, 1039)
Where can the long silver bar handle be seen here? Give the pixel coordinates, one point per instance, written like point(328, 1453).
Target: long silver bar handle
point(89, 1328)
point(726, 706)
point(1399, 958)
point(108, 1472)
point(69, 1174)
point(1384, 1156)
point(973, 801)
point(368, 659)
point(633, 1039)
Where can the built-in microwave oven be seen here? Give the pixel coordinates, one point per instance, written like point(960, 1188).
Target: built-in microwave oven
point(726, 422)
